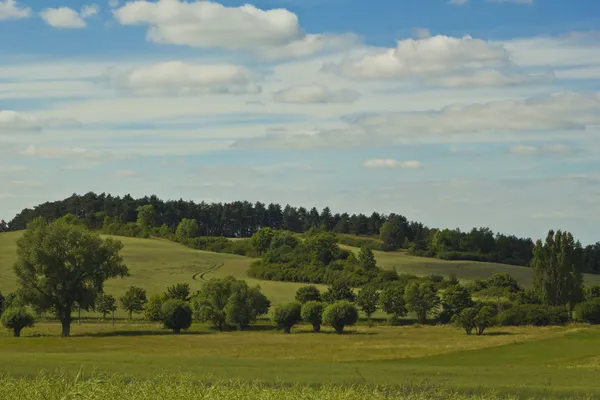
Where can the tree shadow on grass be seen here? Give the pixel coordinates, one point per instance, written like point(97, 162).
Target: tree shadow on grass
point(345, 333)
point(141, 333)
point(498, 333)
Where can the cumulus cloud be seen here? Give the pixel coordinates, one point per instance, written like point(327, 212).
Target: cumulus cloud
point(10, 9)
point(545, 149)
point(180, 78)
point(88, 11)
point(315, 94)
point(439, 60)
point(390, 163)
point(63, 17)
point(274, 33)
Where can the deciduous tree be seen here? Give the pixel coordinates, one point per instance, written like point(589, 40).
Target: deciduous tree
point(286, 316)
point(312, 313)
point(421, 298)
point(308, 293)
point(17, 318)
point(176, 315)
point(340, 314)
point(105, 303)
point(367, 300)
point(134, 300)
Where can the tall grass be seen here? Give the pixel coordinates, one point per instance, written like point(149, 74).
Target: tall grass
point(59, 386)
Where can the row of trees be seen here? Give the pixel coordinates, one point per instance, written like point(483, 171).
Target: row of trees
point(129, 216)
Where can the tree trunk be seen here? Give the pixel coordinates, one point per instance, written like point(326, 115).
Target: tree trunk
point(65, 321)
point(339, 329)
point(287, 329)
point(177, 330)
point(317, 328)
point(17, 332)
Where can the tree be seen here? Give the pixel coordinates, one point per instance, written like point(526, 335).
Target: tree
point(59, 264)
point(557, 264)
point(590, 292)
point(322, 247)
point(312, 313)
point(421, 298)
point(105, 303)
point(261, 240)
point(505, 281)
point(393, 232)
point(286, 316)
point(454, 300)
point(392, 301)
point(340, 290)
point(134, 300)
point(340, 314)
point(1, 303)
point(179, 291)
point(308, 293)
point(366, 259)
point(210, 302)
point(187, 228)
point(146, 217)
point(465, 319)
point(485, 318)
point(245, 304)
point(588, 311)
point(176, 315)
point(367, 300)
point(17, 318)
point(153, 307)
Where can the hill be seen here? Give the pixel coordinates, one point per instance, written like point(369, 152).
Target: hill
point(156, 263)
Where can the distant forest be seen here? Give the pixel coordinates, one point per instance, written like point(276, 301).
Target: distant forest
point(241, 219)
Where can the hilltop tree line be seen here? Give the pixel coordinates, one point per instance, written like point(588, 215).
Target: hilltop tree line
point(241, 219)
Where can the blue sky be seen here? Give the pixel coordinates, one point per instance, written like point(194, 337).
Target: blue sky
point(454, 113)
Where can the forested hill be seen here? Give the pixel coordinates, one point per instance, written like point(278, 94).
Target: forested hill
point(241, 219)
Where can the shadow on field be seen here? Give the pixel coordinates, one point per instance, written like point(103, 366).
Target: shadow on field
point(498, 333)
point(140, 333)
point(346, 333)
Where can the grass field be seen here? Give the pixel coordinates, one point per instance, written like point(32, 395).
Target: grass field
point(563, 361)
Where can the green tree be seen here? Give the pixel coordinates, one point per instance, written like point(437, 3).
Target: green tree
point(454, 300)
point(367, 300)
point(588, 311)
point(465, 319)
point(261, 240)
point(153, 307)
point(17, 318)
point(557, 264)
point(392, 301)
point(134, 300)
point(176, 315)
point(340, 314)
point(187, 229)
point(340, 290)
point(322, 247)
point(312, 313)
point(393, 232)
point(210, 302)
point(590, 292)
point(366, 259)
point(105, 303)
point(286, 316)
point(421, 298)
point(308, 293)
point(245, 304)
point(59, 264)
point(485, 318)
point(179, 291)
point(146, 217)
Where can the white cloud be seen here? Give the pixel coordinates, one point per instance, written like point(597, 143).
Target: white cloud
point(88, 11)
point(10, 9)
point(545, 149)
point(490, 78)
point(274, 33)
point(179, 78)
point(315, 94)
point(113, 3)
point(63, 17)
point(11, 121)
point(389, 163)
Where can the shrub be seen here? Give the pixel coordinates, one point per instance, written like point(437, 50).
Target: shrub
point(308, 293)
point(176, 315)
point(340, 314)
point(466, 319)
point(591, 292)
point(153, 308)
point(588, 311)
point(286, 316)
point(312, 313)
point(17, 318)
point(533, 314)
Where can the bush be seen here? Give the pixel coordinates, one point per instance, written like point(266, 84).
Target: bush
point(466, 319)
point(176, 315)
point(308, 293)
point(153, 308)
point(588, 311)
point(17, 318)
point(534, 314)
point(340, 314)
point(312, 313)
point(286, 316)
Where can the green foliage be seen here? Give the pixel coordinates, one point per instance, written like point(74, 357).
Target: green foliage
point(485, 318)
point(339, 315)
point(392, 300)
point(339, 290)
point(366, 259)
point(210, 302)
point(393, 232)
point(286, 316)
point(17, 318)
point(187, 229)
point(134, 300)
point(60, 264)
point(505, 281)
point(528, 297)
point(367, 300)
point(153, 307)
point(359, 242)
point(308, 293)
point(454, 300)
point(176, 315)
point(179, 291)
point(588, 311)
point(591, 292)
point(245, 305)
point(261, 240)
point(146, 217)
point(465, 319)
point(421, 299)
point(322, 248)
point(557, 264)
point(478, 318)
point(2, 300)
point(533, 314)
point(105, 304)
point(312, 313)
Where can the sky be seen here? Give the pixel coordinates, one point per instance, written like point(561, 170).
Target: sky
point(454, 113)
